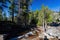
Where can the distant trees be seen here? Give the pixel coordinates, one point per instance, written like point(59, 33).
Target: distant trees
point(1, 17)
point(33, 18)
point(5, 17)
point(40, 16)
point(30, 17)
point(58, 19)
point(59, 16)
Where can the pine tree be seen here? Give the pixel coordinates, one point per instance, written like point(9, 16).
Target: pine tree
point(12, 9)
point(23, 11)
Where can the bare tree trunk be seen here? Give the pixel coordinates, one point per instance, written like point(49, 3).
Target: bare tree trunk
point(43, 25)
point(19, 16)
point(18, 11)
point(44, 22)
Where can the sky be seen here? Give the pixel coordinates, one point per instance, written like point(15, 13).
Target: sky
point(52, 4)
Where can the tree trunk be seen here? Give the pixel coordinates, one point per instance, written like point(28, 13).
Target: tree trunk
point(19, 13)
point(45, 25)
point(12, 15)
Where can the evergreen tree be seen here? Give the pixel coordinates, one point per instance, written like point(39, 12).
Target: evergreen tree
point(3, 4)
point(23, 11)
point(12, 9)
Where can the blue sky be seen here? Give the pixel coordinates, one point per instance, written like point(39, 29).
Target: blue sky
point(36, 4)
point(52, 4)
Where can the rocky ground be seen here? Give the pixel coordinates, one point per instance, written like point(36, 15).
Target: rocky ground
point(1, 37)
point(52, 33)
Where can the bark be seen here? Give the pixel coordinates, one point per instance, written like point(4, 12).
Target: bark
point(12, 15)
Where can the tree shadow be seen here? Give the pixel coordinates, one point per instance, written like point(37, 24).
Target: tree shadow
point(12, 29)
point(33, 23)
point(54, 24)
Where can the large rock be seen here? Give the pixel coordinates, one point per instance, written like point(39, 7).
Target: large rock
point(1, 37)
point(53, 31)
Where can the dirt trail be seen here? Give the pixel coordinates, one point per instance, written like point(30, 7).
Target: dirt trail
point(39, 34)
